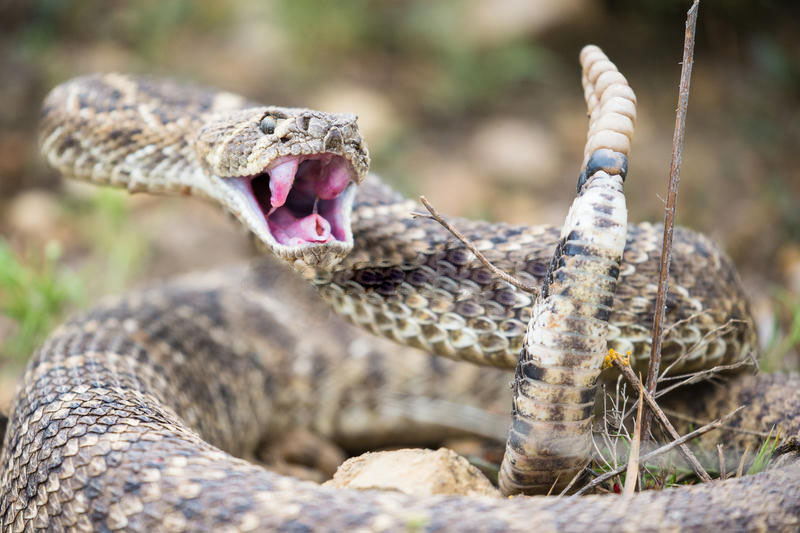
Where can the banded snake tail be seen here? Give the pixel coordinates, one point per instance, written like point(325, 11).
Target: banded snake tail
point(122, 416)
point(565, 345)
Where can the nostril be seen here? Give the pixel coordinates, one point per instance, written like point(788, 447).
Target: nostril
point(333, 140)
point(285, 138)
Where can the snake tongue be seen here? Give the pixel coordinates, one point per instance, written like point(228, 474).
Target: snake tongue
point(281, 178)
point(290, 230)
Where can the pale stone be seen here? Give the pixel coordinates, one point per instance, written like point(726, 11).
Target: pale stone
point(413, 471)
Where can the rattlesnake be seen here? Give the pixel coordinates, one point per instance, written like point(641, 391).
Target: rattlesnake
point(121, 416)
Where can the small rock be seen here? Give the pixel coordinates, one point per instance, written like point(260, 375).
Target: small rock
point(413, 471)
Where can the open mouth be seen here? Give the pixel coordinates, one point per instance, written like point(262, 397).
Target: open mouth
point(301, 198)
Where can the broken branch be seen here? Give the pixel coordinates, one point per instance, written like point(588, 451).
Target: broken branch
point(658, 451)
point(626, 371)
point(505, 276)
point(672, 194)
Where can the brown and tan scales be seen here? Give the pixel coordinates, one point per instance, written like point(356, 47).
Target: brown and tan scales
point(122, 416)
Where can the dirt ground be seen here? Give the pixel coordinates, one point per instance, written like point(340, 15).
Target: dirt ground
point(479, 108)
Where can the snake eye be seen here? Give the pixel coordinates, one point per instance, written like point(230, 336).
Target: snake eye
point(267, 125)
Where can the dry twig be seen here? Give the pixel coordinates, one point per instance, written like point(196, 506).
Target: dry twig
point(700, 375)
point(611, 445)
point(626, 371)
point(574, 479)
point(722, 473)
point(672, 194)
point(632, 474)
point(658, 451)
point(694, 420)
point(711, 335)
point(620, 403)
point(549, 492)
point(740, 470)
point(505, 276)
point(688, 379)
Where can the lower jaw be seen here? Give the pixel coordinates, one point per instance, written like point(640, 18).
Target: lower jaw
point(316, 254)
point(327, 222)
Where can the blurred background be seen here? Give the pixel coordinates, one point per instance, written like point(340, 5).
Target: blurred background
point(476, 104)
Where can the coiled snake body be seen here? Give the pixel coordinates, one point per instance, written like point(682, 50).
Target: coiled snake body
point(122, 416)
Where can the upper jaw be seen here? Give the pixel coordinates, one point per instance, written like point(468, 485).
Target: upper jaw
point(298, 207)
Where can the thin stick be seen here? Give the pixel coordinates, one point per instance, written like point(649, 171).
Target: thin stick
point(740, 470)
point(698, 376)
point(626, 371)
point(505, 276)
point(600, 457)
point(606, 434)
point(549, 492)
point(722, 473)
point(693, 377)
point(658, 451)
point(575, 478)
point(687, 379)
point(715, 333)
point(672, 194)
point(734, 429)
point(633, 457)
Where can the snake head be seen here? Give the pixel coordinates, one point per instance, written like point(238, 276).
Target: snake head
point(289, 175)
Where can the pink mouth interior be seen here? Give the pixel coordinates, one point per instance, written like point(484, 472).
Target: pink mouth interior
point(301, 198)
